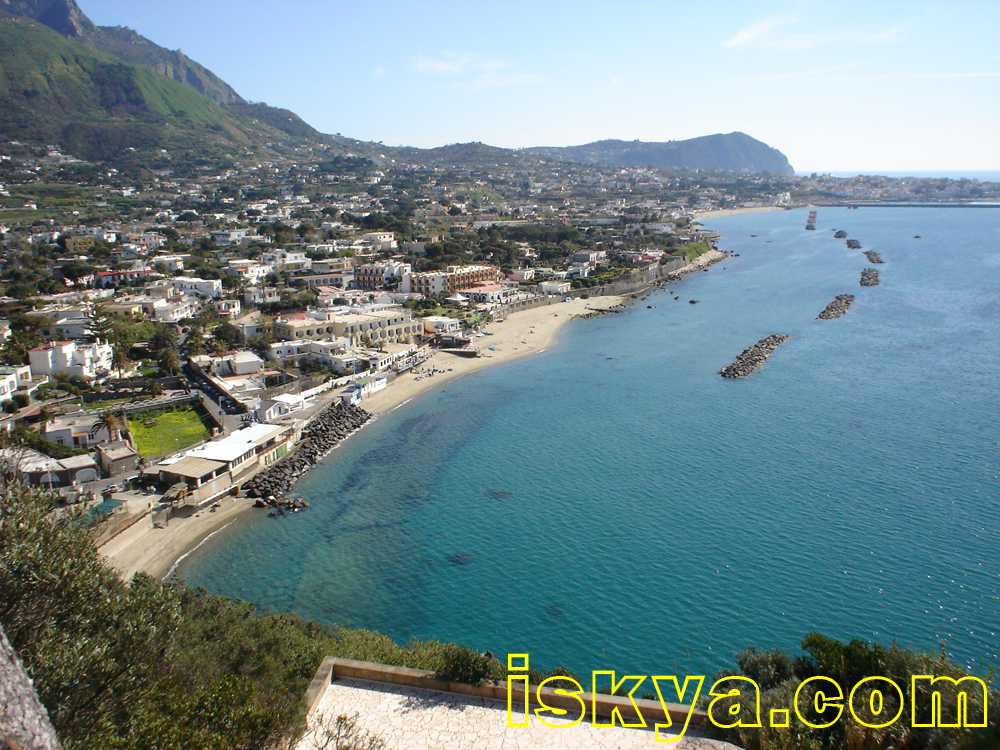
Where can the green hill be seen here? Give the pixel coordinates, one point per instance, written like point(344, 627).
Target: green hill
point(732, 151)
point(55, 90)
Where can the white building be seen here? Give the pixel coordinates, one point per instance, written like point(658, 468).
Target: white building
point(555, 287)
point(385, 240)
point(227, 308)
point(251, 271)
point(88, 360)
point(286, 260)
point(193, 285)
point(261, 295)
point(434, 324)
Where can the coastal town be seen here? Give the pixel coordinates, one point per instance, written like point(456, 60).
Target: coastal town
point(168, 334)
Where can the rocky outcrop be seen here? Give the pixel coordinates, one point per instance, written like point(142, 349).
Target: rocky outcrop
point(319, 438)
point(869, 277)
point(873, 257)
point(840, 305)
point(853, 245)
point(753, 357)
point(840, 234)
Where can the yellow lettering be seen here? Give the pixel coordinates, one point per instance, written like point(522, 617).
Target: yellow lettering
point(515, 665)
point(821, 702)
point(575, 694)
point(680, 691)
point(736, 708)
point(876, 702)
point(962, 703)
point(615, 687)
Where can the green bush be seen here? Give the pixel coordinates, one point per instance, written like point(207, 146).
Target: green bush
point(779, 676)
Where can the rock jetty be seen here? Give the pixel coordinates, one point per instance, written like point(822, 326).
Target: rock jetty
point(841, 303)
point(873, 257)
point(319, 438)
point(840, 235)
point(869, 277)
point(853, 245)
point(753, 357)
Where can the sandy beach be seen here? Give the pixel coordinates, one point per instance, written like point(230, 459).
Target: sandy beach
point(700, 215)
point(156, 550)
point(521, 334)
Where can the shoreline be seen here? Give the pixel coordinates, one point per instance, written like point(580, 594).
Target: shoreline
point(719, 213)
point(157, 551)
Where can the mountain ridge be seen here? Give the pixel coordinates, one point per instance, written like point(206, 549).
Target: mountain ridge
point(107, 107)
point(734, 151)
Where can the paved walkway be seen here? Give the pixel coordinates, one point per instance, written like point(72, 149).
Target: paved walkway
point(416, 719)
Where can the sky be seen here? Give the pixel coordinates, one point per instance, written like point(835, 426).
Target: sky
point(869, 86)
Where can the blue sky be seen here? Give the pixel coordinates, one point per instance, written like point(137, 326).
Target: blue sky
point(869, 86)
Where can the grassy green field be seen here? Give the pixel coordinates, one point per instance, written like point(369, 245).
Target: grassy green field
point(173, 430)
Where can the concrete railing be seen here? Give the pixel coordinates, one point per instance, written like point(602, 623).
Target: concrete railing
point(603, 705)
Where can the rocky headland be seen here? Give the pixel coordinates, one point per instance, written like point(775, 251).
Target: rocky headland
point(753, 357)
point(840, 305)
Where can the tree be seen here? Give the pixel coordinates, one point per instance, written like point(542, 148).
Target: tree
point(169, 362)
point(154, 387)
point(119, 360)
point(229, 336)
point(195, 341)
point(111, 422)
point(164, 337)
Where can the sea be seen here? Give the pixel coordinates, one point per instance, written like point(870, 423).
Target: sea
point(613, 503)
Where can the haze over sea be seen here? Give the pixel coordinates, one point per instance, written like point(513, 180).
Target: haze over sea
point(614, 503)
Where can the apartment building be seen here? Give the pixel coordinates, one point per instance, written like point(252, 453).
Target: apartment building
point(449, 281)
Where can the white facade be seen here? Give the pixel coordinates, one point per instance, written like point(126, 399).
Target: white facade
point(249, 270)
point(555, 287)
point(194, 285)
point(227, 307)
point(88, 360)
point(385, 240)
point(441, 324)
point(286, 260)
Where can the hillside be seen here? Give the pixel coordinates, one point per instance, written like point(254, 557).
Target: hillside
point(732, 151)
point(55, 90)
point(66, 18)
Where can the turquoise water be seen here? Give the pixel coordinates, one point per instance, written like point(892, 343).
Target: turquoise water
point(613, 503)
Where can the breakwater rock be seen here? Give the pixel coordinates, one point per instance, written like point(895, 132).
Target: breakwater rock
point(853, 245)
point(753, 357)
point(840, 304)
point(319, 438)
point(873, 257)
point(869, 277)
point(840, 234)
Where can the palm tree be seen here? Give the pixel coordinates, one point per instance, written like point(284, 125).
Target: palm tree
point(119, 360)
point(170, 363)
point(154, 387)
point(112, 423)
